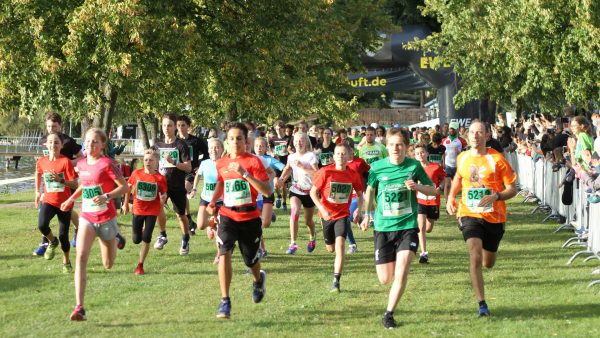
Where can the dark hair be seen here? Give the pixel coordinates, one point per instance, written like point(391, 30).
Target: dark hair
point(184, 119)
point(342, 131)
point(55, 134)
point(240, 126)
point(401, 132)
point(436, 138)
point(170, 116)
point(349, 143)
point(369, 128)
point(54, 117)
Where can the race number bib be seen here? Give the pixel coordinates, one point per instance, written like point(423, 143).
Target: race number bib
point(208, 191)
point(339, 193)
point(326, 158)
point(173, 152)
point(51, 185)
point(396, 201)
point(281, 149)
point(474, 196)
point(146, 191)
point(45, 152)
point(435, 158)
point(237, 192)
point(87, 204)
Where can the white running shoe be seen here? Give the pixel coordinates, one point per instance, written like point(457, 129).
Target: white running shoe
point(160, 242)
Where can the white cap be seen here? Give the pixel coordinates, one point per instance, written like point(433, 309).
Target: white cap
point(374, 125)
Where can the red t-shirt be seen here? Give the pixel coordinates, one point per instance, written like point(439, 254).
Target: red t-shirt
point(237, 191)
point(55, 193)
point(336, 188)
point(97, 179)
point(146, 190)
point(437, 175)
point(360, 166)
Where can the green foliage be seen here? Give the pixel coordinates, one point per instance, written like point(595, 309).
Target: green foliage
point(526, 52)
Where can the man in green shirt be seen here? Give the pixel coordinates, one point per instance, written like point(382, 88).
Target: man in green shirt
point(394, 182)
point(372, 151)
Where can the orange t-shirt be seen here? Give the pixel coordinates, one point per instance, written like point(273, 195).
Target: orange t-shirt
point(55, 193)
point(483, 175)
point(237, 191)
point(146, 190)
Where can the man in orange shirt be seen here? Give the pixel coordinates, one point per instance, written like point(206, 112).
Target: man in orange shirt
point(486, 180)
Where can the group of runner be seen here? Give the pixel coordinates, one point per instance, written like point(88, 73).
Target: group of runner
point(399, 197)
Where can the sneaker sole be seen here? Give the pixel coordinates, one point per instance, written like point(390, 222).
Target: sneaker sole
point(78, 317)
point(223, 316)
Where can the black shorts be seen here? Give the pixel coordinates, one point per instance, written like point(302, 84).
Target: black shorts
point(333, 229)
point(269, 199)
point(191, 176)
point(489, 233)
point(246, 233)
point(307, 202)
point(450, 171)
point(388, 244)
point(178, 199)
point(432, 211)
point(205, 203)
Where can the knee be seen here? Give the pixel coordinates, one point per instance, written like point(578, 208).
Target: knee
point(330, 248)
point(384, 280)
point(266, 223)
point(295, 214)
point(489, 264)
point(137, 240)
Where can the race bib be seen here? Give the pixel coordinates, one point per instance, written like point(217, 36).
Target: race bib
point(208, 191)
point(326, 158)
point(435, 158)
point(146, 191)
point(474, 196)
point(45, 152)
point(237, 192)
point(371, 160)
point(173, 152)
point(88, 193)
point(51, 185)
point(281, 149)
point(339, 193)
point(396, 201)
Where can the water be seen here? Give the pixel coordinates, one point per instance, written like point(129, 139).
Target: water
point(26, 169)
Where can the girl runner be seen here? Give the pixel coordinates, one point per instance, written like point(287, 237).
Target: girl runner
point(98, 176)
point(325, 149)
point(150, 193)
point(303, 165)
point(59, 178)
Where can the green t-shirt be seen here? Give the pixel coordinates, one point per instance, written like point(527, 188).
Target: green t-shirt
point(584, 142)
point(373, 153)
point(396, 205)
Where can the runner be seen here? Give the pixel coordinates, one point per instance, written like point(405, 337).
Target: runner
point(324, 150)
point(241, 176)
point(149, 189)
point(371, 151)
point(436, 150)
point(279, 147)
point(100, 181)
point(454, 144)
point(429, 206)
point(393, 180)
point(174, 164)
point(58, 175)
point(335, 184)
point(303, 165)
point(362, 168)
point(486, 180)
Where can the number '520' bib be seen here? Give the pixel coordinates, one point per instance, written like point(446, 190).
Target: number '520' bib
point(51, 185)
point(281, 149)
point(174, 154)
point(396, 201)
point(237, 192)
point(339, 193)
point(474, 196)
point(146, 191)
point(87, 204)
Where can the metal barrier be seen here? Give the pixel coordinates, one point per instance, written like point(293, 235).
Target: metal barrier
point(537, 180)
point(29, 146)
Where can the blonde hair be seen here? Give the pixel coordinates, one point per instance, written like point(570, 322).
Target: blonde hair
point(215, 140)
point(97, 132)
point(151, 152)
point(306, 139)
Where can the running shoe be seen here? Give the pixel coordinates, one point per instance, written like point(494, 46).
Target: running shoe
point(160, 242)
point(311, 246)
point(388, 321)
point(284, 207)
point(292, 249)
point(41, 249)
point(273, 217)
point(259, 288)
point(120, 241)
point(51, 251)
point(352, 248)
point(78, 314)
point(483, 310)
point(67, 268)
point(74, 241)
point(139, 270)
point(264, 254)
point(185, 248)
point(424, 258)
point(278, 203)
point(193, 226)
point(224, 309)
point(335, 287)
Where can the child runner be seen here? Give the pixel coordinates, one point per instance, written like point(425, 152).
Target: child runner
point(325, 149)
point(362, 169)
point(174, 164)
point(429, 206)
point(303, 165)
point(58, 175)
point(241, 176)
point(100, 181)
point(393, 179)
point(335, 184)
point(149, 189)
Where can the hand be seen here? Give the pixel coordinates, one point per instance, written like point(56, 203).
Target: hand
point(410, 184)
point(324, 214)
point(192, 194)
point(38, 197)
point(278, 183)
point(210, 209)
point(488, 200)
point(364, 225)
point(67, 205)
point(163, 198)
point(356, 218)
point(125, 208)
point(55, 177)
point(235, 167)
point(168, 158)
point(100, 199)
point(451, 206)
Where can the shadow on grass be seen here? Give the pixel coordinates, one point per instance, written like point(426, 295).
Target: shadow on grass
point(25, 282)
point(558, 311)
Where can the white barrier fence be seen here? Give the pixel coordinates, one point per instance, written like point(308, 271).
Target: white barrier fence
point(536, 178)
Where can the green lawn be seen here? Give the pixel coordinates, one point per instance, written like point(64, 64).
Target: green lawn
point(531, 292)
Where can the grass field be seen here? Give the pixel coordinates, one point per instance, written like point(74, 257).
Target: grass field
point(531, 292)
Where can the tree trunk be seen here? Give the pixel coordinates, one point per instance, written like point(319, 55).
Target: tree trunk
point(108, 109)
point(154, 128)
point(232, 113)
point(85, 125)
point(143, 133)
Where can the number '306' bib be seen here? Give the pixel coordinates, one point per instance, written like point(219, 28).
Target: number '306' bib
point(396, 201)
point(87, 204)
point(237, 192)
point(474, 196)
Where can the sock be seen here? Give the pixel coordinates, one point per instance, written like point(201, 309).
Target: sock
point(163, 233)
point(293, 242)
point(336, 277)
point(55, 241)
point(45, 240)
point(482, 303)
point(388, 313)
point(226, 299)
point(186, 237)
point(312, 238)
point(119, 237)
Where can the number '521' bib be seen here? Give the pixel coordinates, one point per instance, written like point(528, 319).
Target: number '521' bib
point(474, 196)
point(237, 192)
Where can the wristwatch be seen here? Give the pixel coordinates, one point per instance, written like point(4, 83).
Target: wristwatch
point(245, 174)
point(107, 197)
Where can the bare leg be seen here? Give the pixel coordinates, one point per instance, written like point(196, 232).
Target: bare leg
point(225, 273)
point(85, 240)
point(403, 260)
